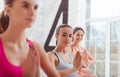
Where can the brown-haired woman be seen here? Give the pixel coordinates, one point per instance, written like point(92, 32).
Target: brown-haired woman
point(20, 57)
point(75, 47)
point(60, 58)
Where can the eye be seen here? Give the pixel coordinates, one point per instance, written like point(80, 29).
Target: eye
point(64, 35)
point(26, 6)
point(70, 35)
point(36, 7)
point(82, 35)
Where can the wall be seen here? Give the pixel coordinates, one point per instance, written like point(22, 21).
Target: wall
point(51, 14)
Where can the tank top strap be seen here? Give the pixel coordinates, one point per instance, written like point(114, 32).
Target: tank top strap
point(56, 56)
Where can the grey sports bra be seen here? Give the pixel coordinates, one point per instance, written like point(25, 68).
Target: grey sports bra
point(62, 66)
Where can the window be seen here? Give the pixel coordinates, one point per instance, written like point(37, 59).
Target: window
point(1, 5)
point(102, 36)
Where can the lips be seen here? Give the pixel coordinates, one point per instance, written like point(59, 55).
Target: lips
point(67, 42)
point(30, 19)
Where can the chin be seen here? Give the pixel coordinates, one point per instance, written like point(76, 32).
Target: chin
point(66, 45)
point(29, 25)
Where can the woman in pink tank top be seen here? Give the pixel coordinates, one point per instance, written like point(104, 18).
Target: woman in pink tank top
point(20, 57)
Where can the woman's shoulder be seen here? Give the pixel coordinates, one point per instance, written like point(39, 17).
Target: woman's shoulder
point(36, 44)
point(51, 53)
point(52, 56)
point(38, 47)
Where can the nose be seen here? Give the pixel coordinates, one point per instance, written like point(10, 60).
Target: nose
point(32, 12)
point(68, 39)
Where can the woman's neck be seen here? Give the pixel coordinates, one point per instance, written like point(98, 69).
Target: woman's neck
point(60, 49)
point(14, 35)
point(76, 44)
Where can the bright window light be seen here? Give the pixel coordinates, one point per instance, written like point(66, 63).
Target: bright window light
point(105, 8)
point(1, 5)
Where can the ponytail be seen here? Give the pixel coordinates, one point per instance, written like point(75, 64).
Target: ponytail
point(4, 21)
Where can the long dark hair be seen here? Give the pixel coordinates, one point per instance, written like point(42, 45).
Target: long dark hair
point(4, 18)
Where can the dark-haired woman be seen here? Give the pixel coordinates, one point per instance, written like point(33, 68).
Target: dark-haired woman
point(87, 59)
point(20, 57)
point(62, 59)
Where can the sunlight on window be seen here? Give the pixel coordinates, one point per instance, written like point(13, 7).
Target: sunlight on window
point(105, 8)
point(1, 5)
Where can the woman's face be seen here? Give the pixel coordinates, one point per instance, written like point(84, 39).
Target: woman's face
point(23, 12)
point(78, 36)
point(64, 37)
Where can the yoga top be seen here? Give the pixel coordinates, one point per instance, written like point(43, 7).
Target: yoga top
point(6, 68)
point(62, 66)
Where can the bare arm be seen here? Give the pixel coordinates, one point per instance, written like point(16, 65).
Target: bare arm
point(29, 65)
point(91, 59)
point(45, 63)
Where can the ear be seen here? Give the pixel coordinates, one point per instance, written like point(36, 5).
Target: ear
point(56, 36)
point(7, 11)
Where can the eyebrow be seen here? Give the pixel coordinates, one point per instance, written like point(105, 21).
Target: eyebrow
point(24, 2)
point(64, 33)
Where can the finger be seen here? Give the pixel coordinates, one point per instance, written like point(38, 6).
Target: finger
point(32, 55)
point(37, 59)
point(38, 66)
point(33, 50)
point(78, 56)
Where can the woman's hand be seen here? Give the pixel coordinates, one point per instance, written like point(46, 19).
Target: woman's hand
point(77, 61)
point(30, 67)
point(84, 58)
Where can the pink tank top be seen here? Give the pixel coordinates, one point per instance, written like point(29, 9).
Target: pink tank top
point(6, 68)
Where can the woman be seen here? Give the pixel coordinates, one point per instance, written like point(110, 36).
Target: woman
point(20, 57)
point(85, 71)
point(60, 58)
